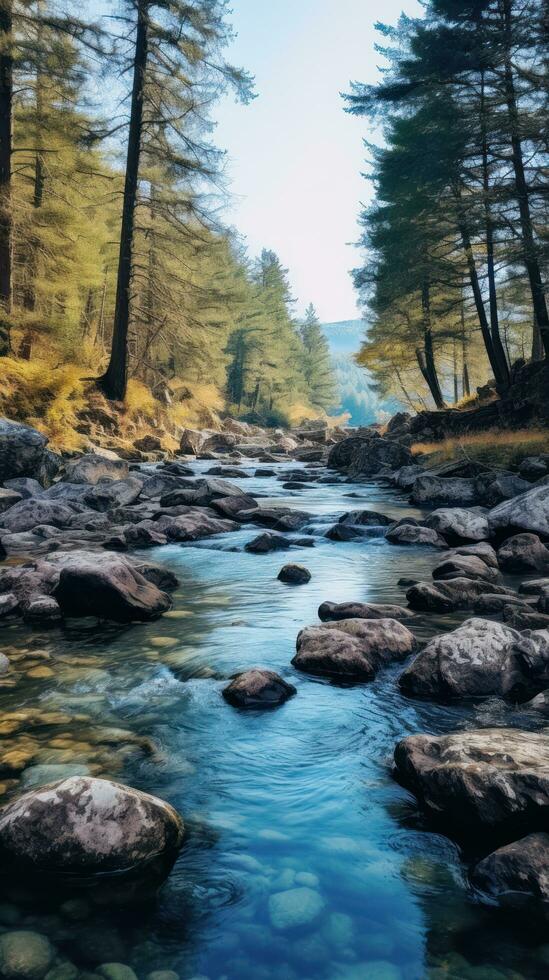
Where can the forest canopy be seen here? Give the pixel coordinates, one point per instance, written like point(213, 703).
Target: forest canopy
point(456, 242)
point(113, 252)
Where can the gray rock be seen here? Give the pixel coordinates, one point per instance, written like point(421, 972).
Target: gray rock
point(191, 442)
point(501, 486)
point(116, 493)
point(26, 486)
point(8, 498)
point(409, 534)
point(516, 874)
point(352, 649)
point(366, 518)
point(362, 610)
point(92, 468)
point(406, 476)
point(481, 549)
point(258, 688)
point(232, 507)
point(105, 585)
point(478, 659)
point(527, 512)
point(523, 553)
point(294, 574)
point(535, 467)
point(492, 779)
point(193, 526)
point(25, 955)
point(465, 566)
point(27, 514)
point(459, 524)
point(266, 542)
point(21, 450)
point(456, 593)
point(276, 518)
point(85, 826)
point(295, 908)
point(377, 454)
point(454, 492)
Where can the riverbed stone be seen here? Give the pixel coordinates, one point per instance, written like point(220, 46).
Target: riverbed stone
point(92, 468)
point(352, 649)
point(231, 507)
point(25, 955)
point(454, 492)
point(456, 593)
point(266, 542)
point(409, 534)
point(465, 566)
point(482, 549)
point(459, 524)
point(362, 610)
point(516, 874)
point(258, 688)
point(105, 585)
point(294, 574)
point(478, 659)
point(27, 514)
point(116, 971)
point(83, 825)
point(366, 518)
point(295, 908)
point(527, 512)
point(21, 450)
point(523, 553)
point(492, 779)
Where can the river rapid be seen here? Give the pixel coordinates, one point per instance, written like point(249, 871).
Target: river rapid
point(300, 797)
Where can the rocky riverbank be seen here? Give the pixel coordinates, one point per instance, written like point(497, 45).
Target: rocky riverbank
point(73, 531)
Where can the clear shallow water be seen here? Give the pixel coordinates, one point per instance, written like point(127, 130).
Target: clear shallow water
point(299, 797)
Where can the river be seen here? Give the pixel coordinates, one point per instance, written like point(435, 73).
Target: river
point(300, 797)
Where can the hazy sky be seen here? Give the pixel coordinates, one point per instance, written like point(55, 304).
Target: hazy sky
point(295, 155)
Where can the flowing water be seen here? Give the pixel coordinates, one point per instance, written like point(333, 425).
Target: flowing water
point(300, 797)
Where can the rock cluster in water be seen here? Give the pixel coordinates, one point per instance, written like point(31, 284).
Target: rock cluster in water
point(77, 519)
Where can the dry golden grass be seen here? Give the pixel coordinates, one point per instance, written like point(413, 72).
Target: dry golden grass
point(494, 447)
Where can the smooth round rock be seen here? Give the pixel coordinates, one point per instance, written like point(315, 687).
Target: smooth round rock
point(82, 825)
point(116, 971)
point(258, 688)
point(25, 955)
point(294, 908)
point(294, 574)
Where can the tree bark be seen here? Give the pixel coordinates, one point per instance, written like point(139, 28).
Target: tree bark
point(477, 294)
point(537, 346)
point(6, 110)
point(114, 382)
point(531, 259)
point(499, 352)
point(426, 357)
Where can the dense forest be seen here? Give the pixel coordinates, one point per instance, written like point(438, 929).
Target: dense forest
point(114, 261)
point(456, 241)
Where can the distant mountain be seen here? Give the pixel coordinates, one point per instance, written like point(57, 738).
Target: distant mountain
point(354, 383)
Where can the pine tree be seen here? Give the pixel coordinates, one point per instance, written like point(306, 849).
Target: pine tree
point(317, 366)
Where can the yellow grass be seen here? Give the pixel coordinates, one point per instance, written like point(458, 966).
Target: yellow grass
point(494, 447)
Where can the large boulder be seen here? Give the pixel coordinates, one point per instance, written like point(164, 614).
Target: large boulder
point(465, 566)
point(459, 524)
point(92, 468)
point(494, 780)
point(25, 955)
point(28, 514)
point(276, 518)
point(443, 491)
point(332, 611)
point(232, 506)
point(115, 493)
point(84, 827)
point(258, 688)
point(447, 596)
point(197, 523)
point(191, 442)
point(495, 487)
point(535, 467)
point(352, 649)
point(378, 454)
point(516, 874)
point(408, 534)
point(106, 585)
point(478, 659)
point(527, 512)
point(266, 542)
point(294, 574)
point(21, 450)
point(523, 553)
point(341, 455)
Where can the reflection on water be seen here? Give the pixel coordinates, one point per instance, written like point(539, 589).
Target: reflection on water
point(304, 860)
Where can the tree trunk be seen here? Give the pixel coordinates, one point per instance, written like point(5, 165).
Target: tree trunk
point(499, 353)
point(466, 386)
point(114, 382)
point(403, 389)
point(426, 357)
point(531, 259)
point(537, 346)
point(477, 294)
point(6, 103)
point(455, 367)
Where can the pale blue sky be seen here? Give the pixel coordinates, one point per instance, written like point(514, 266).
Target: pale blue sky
point(295, 155)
